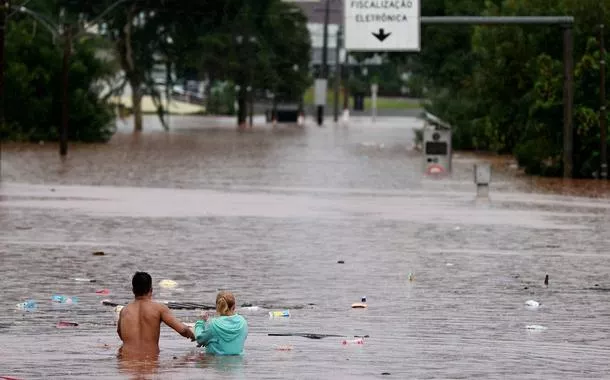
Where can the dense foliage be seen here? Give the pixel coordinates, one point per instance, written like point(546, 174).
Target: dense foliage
point(233, 43)
point(502, 86)
point(33, 87)
point(254, 44)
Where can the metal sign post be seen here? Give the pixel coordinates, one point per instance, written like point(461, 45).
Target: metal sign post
point(374, 91)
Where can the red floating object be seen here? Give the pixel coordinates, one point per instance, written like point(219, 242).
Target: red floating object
point(104, 292)
point(64, 324)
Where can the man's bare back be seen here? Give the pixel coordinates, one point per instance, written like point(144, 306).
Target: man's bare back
point(139, 325)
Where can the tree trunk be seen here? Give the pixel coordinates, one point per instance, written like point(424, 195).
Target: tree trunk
point(130, 71)
point(251, 108)
point(208, 93)
point(242, 112)
point(242, 106)
point(136, 100)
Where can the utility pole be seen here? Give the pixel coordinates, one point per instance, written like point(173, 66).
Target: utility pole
point(602, 110)
point(338, 73)
point(4, 7)
point(568, 101)
point(324, 68)
point(347, 76)
point(63, 135)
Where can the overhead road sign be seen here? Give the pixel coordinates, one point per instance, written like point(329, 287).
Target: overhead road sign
point(382, 25)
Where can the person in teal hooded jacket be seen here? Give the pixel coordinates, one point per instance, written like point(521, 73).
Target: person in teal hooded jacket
point(225, 334)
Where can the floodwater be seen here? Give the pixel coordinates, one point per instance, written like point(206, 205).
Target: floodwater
point(268, 214)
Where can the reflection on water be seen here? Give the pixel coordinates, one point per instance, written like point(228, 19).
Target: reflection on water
point(269, 215)
point(150, 367)
point(136, 366)
point(231, 364)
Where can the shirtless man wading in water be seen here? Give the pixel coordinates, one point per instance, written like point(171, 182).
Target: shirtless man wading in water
point(140, 322)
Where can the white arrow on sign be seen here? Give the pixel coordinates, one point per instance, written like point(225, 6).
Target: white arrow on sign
point(382, 25)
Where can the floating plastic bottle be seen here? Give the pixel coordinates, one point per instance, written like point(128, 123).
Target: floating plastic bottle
point(536, 327)
point(532, 304)
point(358, 341)
point(29, 305)
point(103, 292)
point(279, 314)
point(84, 280)
point(64, 300)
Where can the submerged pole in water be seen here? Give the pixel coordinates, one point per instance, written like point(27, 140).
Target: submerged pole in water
point(482, 178)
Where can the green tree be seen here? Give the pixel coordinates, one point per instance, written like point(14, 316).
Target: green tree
point(258, 45)
point(33, 80)
point(502, 86)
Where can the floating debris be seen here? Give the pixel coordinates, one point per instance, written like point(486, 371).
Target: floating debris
point(314, 335)
point(279, 314)
point(64, 300)
point(251, 308)
point(64, 324)
point(29, 305)
point(99, 253)
point(360, 305)
point(84, 280)
point(532, 304)
point(536, 327)
point(168, 284)
point(358, 341)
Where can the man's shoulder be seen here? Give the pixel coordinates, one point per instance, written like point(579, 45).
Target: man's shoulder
point(146, 305)
point(160, 305)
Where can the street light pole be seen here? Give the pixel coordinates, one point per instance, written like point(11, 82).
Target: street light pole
point(63, 135)
point(324, 68)
point(602, 111)
point(4, 7)
point(338, 73)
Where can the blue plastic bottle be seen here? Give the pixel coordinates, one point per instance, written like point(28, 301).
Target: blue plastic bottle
point(64, 300)
point(29, 305)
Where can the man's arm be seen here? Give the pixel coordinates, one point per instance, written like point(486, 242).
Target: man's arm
point(118, 325)
point(168, 318)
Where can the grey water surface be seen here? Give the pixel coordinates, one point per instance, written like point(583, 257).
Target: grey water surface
point(267, 214)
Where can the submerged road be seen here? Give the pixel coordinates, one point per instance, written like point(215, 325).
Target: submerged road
point(268, 214)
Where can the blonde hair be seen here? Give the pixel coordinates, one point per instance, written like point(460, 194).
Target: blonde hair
point(225, 303)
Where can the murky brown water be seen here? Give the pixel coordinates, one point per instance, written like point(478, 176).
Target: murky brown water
point(267, 214)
